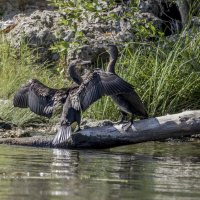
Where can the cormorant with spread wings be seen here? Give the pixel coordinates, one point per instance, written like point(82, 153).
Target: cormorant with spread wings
point(42, 99)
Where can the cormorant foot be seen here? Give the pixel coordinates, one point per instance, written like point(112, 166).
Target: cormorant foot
point(126, 126)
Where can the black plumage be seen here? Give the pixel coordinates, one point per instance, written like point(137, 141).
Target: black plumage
point(42, 99)
point(128, 103)
point(39, 98)
point(96, 85)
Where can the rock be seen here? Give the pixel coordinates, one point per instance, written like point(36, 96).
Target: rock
point(150, 17)
point(11, 8)
point(69, 35)
point(196, 22)
point(167, 11)
point(22, 133)
point(7, 26)
point(39, 30)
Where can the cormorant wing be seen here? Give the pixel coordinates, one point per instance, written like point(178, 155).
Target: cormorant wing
point(41, 105)
point(42, 98)
point(38, 97)
point(21, 97)
point(98, 84)
point(113, 84)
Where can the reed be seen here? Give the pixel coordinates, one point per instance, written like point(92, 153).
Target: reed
point(17, 66)
point(165, 74)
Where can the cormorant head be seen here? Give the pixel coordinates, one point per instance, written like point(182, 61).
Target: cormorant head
point(75, 65)
point(79, 62)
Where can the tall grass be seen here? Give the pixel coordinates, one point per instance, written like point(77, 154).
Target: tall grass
point(166, 75)
point(19, 65)
point(16, 67)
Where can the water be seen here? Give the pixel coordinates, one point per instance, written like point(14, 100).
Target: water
point(153, 170)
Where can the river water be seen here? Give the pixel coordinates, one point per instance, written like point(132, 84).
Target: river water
point(153, 170)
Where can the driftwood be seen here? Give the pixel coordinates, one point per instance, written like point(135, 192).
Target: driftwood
point(159, 128)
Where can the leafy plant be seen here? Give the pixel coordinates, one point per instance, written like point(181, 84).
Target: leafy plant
point(80, 11)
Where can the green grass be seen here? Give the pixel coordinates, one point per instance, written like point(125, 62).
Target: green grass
point(19, 65)
point(165, 74)
point(16, 67)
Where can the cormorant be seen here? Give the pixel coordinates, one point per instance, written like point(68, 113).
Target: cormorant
point(42, 99)
point(128, 103)
point(97, 84)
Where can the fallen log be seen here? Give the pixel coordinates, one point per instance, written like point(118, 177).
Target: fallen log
point(170, 126)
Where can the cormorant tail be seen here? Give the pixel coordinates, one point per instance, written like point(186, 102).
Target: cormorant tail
point(64, 133)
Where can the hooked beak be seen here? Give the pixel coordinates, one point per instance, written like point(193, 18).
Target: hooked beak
point(85, 62)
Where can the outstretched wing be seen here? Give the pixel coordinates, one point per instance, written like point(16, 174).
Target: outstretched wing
point(21, 97)
point(42, 100)
point(113, 84)
point(38, 97)
point(41, 105)
point(98, 84)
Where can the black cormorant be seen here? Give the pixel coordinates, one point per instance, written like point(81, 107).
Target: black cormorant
point(42, 99)
point(97, 84)
point(128, 103)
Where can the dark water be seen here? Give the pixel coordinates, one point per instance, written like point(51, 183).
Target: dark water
point(143, 171)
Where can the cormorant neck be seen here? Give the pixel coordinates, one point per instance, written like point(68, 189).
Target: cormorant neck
point(111, 65)
point(74, 75)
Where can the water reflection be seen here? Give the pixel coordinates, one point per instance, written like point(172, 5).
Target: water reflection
point(65, 163)
point(144, 171)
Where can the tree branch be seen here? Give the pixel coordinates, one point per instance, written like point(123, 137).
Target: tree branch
point(159, 128)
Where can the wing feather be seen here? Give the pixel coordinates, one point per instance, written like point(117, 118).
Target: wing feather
point(40, 89)
point(39, 98)
point(21, 97)
point(98, 84)
point(40, 105)
point(113, 84)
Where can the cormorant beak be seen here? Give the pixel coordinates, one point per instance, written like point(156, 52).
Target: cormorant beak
point(85, 62)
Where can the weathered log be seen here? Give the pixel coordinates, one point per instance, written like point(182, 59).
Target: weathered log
point(159, 128)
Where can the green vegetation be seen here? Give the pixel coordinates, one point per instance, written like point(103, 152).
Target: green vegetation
point(166, 75)
point(19, 65)
point(80, 11)
point(16, 67)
